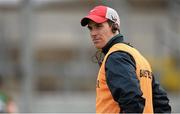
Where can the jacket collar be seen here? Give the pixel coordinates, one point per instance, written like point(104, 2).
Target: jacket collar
point(114, 40)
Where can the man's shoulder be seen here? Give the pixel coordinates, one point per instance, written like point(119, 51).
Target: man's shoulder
point(120, 56)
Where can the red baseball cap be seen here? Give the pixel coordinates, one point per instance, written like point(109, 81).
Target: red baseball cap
point(100, 14)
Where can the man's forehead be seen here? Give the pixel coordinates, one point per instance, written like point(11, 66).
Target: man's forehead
point(92, 23)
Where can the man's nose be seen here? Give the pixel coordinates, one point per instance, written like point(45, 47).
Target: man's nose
point(93, 32)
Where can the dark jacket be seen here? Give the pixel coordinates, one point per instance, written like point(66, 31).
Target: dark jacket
point(122, 81)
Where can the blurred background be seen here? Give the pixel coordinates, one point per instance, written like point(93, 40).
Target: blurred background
point(46, 56)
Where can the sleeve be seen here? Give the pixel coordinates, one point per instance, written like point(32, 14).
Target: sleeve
point(160, 99)
point(123, 83)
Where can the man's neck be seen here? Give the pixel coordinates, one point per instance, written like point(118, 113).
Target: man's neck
point(116, 33)
point(116, 39)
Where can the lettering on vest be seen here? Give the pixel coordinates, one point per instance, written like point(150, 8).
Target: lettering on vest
point(145, 73)
point(97, 84)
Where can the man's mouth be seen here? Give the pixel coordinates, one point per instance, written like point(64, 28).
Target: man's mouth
point(96, 41)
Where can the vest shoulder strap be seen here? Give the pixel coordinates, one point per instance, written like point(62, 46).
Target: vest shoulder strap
point(140, 61)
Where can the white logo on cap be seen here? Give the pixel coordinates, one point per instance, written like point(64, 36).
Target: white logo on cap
point(113, 18)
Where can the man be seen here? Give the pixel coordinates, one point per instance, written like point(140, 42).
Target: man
point(125, 82)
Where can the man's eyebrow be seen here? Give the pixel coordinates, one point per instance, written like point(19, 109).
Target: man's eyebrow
point(98, 24)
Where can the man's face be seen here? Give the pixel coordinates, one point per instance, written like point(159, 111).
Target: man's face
point(100, 33)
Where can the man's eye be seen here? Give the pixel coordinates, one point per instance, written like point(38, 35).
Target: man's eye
point(98, 25)
point(90, 28)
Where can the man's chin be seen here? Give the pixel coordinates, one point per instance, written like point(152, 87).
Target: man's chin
point(98, 47)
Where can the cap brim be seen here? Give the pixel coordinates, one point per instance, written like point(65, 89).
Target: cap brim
point(94, 18)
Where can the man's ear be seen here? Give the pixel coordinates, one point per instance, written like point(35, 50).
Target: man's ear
point(114, 27)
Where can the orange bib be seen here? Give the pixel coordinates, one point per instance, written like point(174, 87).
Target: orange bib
point(104, 100)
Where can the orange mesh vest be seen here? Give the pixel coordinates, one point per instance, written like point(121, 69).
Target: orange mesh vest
point(104, 100)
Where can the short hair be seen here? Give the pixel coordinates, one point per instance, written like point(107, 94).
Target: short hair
point(114, 26)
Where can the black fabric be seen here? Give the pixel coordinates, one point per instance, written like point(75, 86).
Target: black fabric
point(160, 99)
